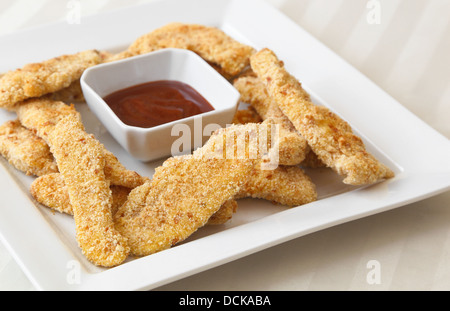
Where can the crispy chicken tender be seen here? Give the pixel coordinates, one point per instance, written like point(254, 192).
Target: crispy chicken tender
point(293, 147)
point(211, 43)
point(38, 79)
point(25, 151)
point(41, 116)
point(254, 92)
point(256, 141)
point(51, 191)
point(329, 136)
point(224, 214)
point(185, 193)
point(286, 185)
point(118, 174)
point(81, 162)
point(70, 94)
point(249, 115)
point(182, 196)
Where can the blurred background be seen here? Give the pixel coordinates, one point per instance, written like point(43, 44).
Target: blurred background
point(404, 47)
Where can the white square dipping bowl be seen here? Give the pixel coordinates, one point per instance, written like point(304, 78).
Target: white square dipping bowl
point(148, 144)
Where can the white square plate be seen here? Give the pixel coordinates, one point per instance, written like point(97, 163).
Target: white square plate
point(44, 244)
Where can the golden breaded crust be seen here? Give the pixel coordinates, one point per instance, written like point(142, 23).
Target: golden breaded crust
point(81, 162)
point(224, 214)
point(254, 92)
point(38, 79)
point(241, 141)
point(292, 146)
point(25, 151)
point(244, 116)
point(72, 93)
point(286, 185)
point(211, 43)
point(118, 174)
point(329, 136)
point(182, 196)
point(41, 115)
point(119, 197)
point(51, 191)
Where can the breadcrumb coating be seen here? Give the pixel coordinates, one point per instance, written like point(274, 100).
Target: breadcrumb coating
point(330, 137)
point(286, 185)
point(211, 43)
point(41, 115)
point(51, 191)
point(39, 79)
point(118, 174)
point(72, 93)
point(249, 115)
point(81, 162)
point(242, 141)
point(182, 196)
point(224, 214)
point(25, 151)
point(292, 146)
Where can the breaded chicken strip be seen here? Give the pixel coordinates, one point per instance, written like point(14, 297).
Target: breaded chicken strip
point(256, 141)
point(118, 174)
point(293, 147)
point(25, 151)
point(211, 43)
point(38, 79)
point(81, 162)
point(243, 116)
point(224, 214)
point(329, 136)
point(254, 92)
point(72, 93)
point(51, 191)
point(182, 196)
point(286, 185)
point(41, 116)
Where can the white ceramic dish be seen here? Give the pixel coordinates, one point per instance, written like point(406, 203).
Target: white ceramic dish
point(147, 144)
point(44, 243)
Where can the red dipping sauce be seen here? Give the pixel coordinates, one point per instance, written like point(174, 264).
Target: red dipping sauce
point(158, 102)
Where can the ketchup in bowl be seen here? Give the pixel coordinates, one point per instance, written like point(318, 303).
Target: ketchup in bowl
point(158, 102)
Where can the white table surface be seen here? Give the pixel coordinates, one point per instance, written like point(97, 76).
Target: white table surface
point(405, 49)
